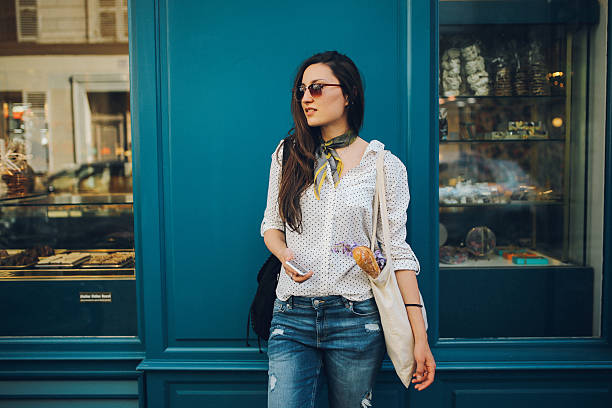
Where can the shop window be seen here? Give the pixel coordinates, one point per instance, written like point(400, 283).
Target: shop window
point(67, 262)
point(520, 166)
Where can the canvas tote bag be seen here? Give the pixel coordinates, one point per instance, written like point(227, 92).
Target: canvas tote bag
point(399, 338)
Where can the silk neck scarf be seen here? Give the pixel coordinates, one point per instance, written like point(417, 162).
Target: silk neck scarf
point(326, 153)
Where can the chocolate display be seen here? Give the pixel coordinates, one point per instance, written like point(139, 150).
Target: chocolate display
point(19, 259)
point(26, 257)
point(40, 250)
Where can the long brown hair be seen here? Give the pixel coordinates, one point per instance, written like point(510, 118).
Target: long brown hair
point(305, 140)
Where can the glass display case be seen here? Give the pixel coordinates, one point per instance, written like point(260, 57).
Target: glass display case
point(513, 177)
point(67, 265)
point(505, 141)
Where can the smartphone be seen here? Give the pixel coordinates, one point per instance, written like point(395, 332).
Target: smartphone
point(296, 267)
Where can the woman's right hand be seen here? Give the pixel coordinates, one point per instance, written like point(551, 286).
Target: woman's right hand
point(287, 255)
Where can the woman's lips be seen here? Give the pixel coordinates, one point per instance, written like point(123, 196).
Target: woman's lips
point(310, 112)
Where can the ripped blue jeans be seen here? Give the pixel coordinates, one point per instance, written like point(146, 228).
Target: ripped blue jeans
point(331, 333)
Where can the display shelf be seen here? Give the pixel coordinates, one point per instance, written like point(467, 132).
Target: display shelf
point(23, 197)
point(50, 200)
point(526, 98)
point(31, 271)
point(497, 261)
point(528, 140)
point(511, 203)
point(68, 274)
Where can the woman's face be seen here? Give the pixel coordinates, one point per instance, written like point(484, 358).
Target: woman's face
point(330, 106)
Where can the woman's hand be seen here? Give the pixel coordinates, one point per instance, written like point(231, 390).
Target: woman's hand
point(426, 366)
point(287, 255)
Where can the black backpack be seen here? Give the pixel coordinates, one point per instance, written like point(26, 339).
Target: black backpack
point(260, 312)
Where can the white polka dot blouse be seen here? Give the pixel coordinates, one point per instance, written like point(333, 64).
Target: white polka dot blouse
point(343, 214)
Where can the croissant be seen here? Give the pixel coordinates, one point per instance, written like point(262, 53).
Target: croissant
point(366, 261)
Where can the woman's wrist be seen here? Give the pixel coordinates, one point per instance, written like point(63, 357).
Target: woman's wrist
point(416, 321)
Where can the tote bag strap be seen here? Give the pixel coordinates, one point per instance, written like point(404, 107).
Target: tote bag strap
point(380, 201)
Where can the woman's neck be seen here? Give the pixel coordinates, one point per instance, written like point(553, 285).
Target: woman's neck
point(332, 130)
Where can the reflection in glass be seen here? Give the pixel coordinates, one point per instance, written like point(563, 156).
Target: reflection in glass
point(66, 219)
point(513, 161)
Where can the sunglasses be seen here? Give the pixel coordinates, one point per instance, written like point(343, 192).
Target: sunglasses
point(315, 90)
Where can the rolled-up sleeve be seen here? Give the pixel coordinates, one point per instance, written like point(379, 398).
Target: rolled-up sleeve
point(272, 217)
point(398, 198)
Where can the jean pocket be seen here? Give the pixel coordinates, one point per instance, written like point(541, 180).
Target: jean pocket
point(279, 306)
point(363, 308)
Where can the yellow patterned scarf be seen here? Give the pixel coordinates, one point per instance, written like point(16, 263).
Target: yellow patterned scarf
point(327, 154)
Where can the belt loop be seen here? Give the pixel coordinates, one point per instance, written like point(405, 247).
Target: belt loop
point(347, 303)
point(290, 302)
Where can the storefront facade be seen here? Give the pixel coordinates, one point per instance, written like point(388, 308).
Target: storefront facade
point(500, 111)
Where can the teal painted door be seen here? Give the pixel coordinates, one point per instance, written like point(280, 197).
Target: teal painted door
point(225, 77)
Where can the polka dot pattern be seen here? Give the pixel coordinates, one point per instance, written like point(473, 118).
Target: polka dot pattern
point(344, 214)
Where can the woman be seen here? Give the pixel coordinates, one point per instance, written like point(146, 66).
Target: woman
point(327, 319)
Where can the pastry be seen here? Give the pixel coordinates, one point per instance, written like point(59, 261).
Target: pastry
point(366, 261)
point(115, 258)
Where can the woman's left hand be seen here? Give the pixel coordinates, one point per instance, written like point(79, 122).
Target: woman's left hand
point(426, 366)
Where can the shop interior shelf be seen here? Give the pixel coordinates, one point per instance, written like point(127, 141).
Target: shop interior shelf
point(67, 274)
point(497, 261)
point(512, 203)
point(533, 139)
point(48, 200)
point(464, 98)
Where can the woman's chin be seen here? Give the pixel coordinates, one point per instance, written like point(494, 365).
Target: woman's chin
point(313, 121)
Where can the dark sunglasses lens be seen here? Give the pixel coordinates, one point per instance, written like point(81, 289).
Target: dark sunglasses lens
point(315, 90)
point(299, 93)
